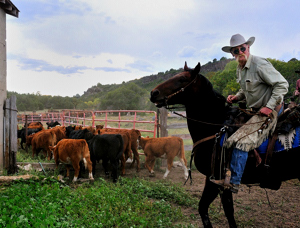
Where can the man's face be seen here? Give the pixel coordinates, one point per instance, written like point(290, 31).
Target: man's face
point(241, 53)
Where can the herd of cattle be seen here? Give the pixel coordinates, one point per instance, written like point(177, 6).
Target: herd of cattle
point(80, 147)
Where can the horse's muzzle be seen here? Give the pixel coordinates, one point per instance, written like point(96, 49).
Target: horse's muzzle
point(154, 98)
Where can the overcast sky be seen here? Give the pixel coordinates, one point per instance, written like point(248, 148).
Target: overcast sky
point(63, 47)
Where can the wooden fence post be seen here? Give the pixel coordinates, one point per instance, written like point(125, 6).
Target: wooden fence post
point(163, 117)
point(163, 122)
point(10, 133)
point(157, 123)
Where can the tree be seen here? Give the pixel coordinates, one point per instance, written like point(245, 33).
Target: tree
point(126, 97)
point(75, 101)
point(225, 81)
point(293, 59)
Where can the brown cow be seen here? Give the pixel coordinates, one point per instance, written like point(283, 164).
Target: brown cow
point(29, 140)
point(158, 147)
point(99, 127)
point(41, 141)
point(126, 146)
point(71, 152)
point(90, 128)
point(60, 132)
point(134, 147)
point(35, 125)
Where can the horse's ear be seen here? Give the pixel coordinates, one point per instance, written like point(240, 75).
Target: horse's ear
point(197, 68)
point(185, 66)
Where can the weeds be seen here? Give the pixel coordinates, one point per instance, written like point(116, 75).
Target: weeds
point(46, 202)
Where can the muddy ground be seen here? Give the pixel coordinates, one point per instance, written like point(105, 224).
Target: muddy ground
point(252, 208)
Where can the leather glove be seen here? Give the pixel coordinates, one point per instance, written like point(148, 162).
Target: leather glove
point(265, 111)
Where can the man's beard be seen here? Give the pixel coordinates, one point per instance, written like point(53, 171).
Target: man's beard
point(243, 61)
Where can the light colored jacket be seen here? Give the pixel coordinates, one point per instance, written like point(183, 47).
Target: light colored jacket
point(261, 84)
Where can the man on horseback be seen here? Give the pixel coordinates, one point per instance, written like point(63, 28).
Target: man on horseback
point(263, 88)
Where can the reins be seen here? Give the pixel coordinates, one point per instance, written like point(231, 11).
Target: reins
point(221, 125)
point(215, 136)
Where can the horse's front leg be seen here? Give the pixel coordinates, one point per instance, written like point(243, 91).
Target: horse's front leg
point(227, 202)
point(209, 194)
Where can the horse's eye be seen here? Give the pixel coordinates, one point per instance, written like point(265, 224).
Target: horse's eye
point(182, 79)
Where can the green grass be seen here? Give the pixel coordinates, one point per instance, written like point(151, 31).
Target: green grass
point(46, 202)
point(23, 156)
point(132, 202)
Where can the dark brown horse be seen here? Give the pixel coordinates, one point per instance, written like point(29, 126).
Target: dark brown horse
point(206, 111)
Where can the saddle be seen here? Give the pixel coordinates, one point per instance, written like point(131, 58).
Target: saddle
point(289, 120)
point(285, 137)
point(284, 132)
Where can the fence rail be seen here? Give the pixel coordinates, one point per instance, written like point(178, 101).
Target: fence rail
point(92, 118)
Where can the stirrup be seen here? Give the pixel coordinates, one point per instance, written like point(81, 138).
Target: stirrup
point(218, 182)
point(227, 179)
point(235, 188)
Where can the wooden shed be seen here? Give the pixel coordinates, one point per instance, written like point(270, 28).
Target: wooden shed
point(6, 7)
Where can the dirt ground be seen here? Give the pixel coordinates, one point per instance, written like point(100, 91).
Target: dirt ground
point(251, 205)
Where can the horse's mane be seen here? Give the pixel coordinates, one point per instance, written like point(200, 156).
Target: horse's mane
point(209, 87)
point(215, 93)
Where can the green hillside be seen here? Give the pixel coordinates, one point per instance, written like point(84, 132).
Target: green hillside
point(135, 94)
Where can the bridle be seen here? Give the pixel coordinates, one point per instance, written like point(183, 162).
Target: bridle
point(179, 91)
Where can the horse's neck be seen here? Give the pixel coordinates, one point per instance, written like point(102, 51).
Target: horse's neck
point(204, 120)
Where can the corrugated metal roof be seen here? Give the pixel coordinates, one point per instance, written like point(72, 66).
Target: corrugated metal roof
point(9, 8)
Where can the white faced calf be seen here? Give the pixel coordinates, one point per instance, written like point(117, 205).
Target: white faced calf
point(158, 147)
point(71, 152)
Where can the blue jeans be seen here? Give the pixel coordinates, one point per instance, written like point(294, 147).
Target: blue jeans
point(237, 165)
point(238, 162)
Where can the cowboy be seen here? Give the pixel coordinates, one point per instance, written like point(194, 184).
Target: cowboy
point(263, 88)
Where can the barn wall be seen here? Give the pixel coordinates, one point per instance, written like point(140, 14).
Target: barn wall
point(3, 92)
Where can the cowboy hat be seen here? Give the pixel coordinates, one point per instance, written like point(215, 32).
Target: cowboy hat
point(237, 40)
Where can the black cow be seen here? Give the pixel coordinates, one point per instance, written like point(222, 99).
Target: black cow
point(69, 129)
point(52, 124)
point(106, 147)
point(81, 134)
point(22, 134)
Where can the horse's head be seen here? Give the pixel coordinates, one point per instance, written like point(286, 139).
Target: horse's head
point(168, 92)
